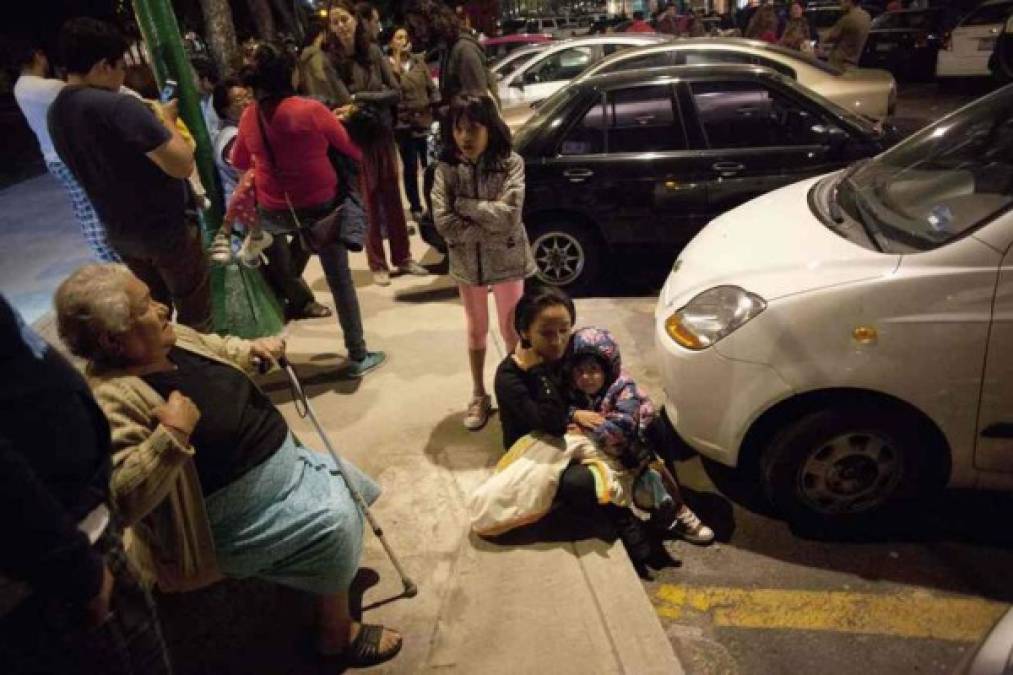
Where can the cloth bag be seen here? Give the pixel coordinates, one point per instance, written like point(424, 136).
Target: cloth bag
point(325, 231)
point(523, 486)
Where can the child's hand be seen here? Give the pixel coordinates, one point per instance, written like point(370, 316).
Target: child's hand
point(588, 419)
point(343, 112)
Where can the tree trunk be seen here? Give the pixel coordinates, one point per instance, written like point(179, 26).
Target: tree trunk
point(220, 34)
point(263, 18)
point(289, 25)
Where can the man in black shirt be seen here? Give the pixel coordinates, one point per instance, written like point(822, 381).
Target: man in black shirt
point(68, 600)
point(133, 168)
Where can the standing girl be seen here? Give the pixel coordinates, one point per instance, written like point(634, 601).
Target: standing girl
point(478, 196)
point(367, 78)
point(414, 114)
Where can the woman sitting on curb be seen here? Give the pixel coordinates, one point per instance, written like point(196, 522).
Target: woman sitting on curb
point(541, 467)
point(206, 472)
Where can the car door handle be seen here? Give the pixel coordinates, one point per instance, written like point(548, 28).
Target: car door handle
point(728, 168)
point(578, 175)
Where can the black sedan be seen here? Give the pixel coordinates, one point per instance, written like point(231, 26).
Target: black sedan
point(649, 157)
point(906, 42)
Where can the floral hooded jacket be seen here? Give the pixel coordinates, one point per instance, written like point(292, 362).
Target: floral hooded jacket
point(625, 406)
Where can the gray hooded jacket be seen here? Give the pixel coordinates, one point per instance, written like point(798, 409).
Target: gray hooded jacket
point(478, 211)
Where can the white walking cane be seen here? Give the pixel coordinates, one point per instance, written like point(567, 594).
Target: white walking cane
point(410, 589)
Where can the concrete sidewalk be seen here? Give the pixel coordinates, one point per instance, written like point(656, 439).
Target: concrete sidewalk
point(483, 608)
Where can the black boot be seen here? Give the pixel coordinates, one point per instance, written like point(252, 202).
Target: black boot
point(633, 533)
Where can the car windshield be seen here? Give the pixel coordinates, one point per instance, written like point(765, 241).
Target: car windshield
point(512, 61)
point(989, 14)
point(914, 20)
point(808, 59)
point(942, 183)
point(546, 110)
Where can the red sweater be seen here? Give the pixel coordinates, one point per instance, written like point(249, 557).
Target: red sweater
point(300, 131)
point(640, 26)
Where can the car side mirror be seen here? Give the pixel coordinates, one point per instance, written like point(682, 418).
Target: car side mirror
point(831, 135)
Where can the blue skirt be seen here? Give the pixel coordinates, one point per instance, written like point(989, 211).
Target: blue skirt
point(292, 521)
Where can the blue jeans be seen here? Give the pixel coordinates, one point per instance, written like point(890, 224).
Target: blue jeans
point(334, 260)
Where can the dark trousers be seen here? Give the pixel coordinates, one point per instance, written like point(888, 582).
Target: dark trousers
point(577, 491)
point(383, 205)
point(45, 635)
point(334, 260)
point(285, 264)
point(177, 277)
point(413, 159)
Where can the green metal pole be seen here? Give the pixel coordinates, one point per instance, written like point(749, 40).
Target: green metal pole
point(150, 40)
point(242, 302)
point(169, 48)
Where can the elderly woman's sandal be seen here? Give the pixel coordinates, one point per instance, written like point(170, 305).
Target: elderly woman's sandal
point(364, 650)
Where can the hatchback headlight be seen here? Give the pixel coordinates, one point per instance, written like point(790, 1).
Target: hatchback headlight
point(712, 315)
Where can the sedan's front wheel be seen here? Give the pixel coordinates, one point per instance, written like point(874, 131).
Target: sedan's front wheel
point(841, 465)
point(566, 254)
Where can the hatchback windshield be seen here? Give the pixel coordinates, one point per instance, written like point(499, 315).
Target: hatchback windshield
point(924, 20)
point(940, 184)
point(989, 14)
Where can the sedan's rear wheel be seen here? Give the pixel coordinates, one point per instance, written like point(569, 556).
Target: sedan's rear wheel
point(566, 255)
point(841, 466)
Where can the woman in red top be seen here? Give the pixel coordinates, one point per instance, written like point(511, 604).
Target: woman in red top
point(285, 139)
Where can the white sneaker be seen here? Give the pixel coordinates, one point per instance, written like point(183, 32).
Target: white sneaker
point(688, 526)
point(253, 246)
point(478, 413)
point(221, 249)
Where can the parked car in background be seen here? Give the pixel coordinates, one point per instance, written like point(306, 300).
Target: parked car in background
point(649, 157)
point(512, 25)
point(822, 16)
point(553, 67)
point(868, 92)
point(567, 28)
point(968, 49)
point(541, 25)
point(498, 47)
point(846, 339)
point(515, 59)
point(907, 42)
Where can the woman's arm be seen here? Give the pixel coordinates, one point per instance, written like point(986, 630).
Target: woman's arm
point(545, 411)
point(229, 348)
point(502, 214)
point(335, 133)
point(449, 224)
point(147, 456)
point(241, 158)
point(386, 72)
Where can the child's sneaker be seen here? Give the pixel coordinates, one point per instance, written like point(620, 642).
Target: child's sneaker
point(221, 249)
point(478, 413)
point(688, 526)
point(253, 246)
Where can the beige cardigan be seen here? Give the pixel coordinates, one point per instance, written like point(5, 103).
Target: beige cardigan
point(154, 482)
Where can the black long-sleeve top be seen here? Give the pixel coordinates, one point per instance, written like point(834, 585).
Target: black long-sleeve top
point(529, 400)
point(54, 465)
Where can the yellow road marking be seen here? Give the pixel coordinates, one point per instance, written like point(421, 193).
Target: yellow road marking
point(911, 614)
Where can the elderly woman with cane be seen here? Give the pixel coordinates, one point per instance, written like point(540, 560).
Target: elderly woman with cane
point(205, 469)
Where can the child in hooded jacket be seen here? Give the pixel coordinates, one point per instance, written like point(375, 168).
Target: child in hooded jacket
point(613, 412)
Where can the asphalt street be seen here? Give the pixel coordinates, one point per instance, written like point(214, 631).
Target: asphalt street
point(913, 596)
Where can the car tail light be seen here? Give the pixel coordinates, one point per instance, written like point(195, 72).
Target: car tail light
point(948, 41)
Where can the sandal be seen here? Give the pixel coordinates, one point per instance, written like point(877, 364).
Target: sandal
point(312, 310)
point(364, 651)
